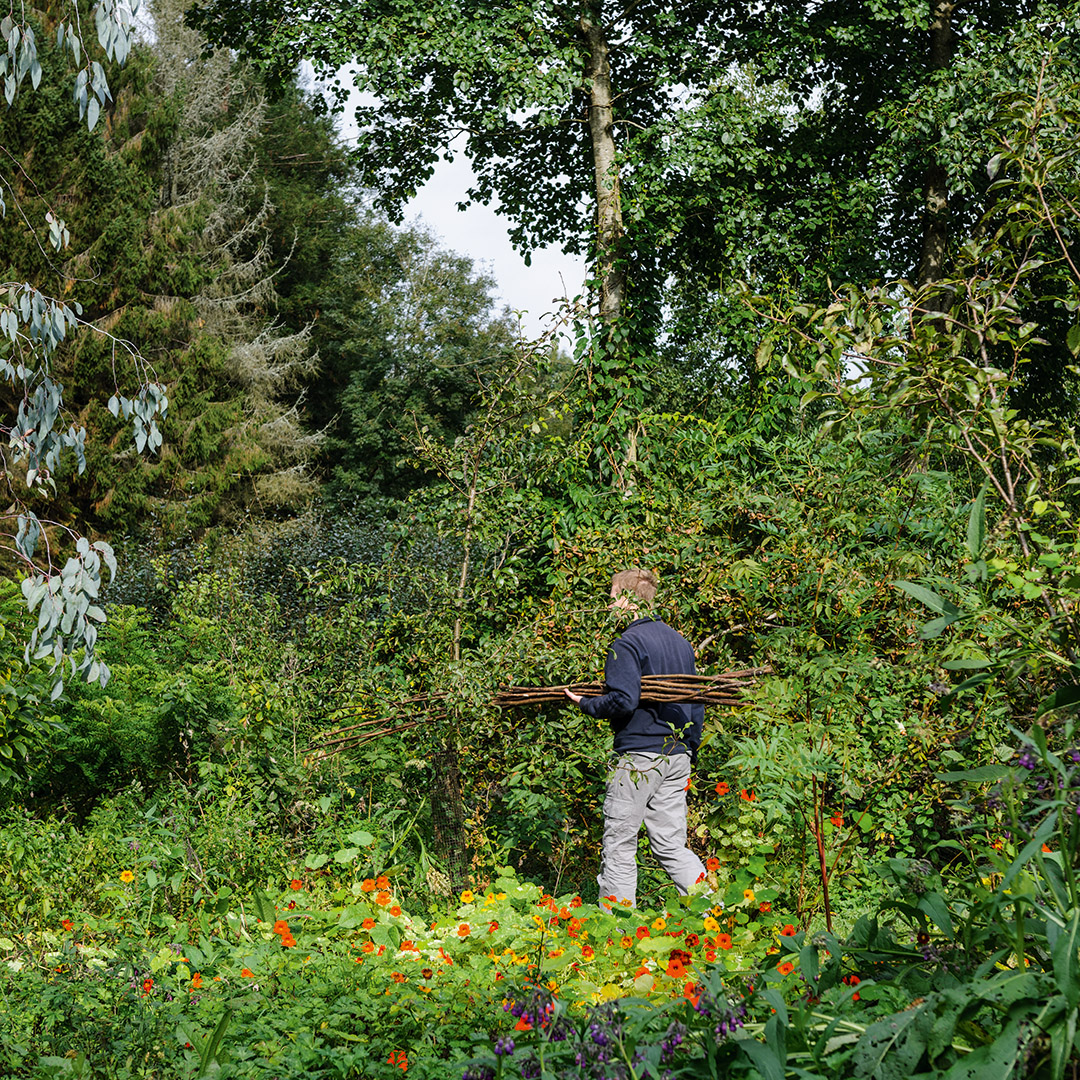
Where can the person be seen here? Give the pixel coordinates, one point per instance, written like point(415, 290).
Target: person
point(654, 745)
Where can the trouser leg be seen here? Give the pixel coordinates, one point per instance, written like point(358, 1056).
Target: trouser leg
point(665, 822)
point(630, 784)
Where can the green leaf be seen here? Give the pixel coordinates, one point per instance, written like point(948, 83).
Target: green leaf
point(978, 775)
point(933, 905)
point(316, 862)
point(976, 530)
point(928, 598)
point(264, 907)
point(966, 665)
point(1064, 697)
point(1066, 969)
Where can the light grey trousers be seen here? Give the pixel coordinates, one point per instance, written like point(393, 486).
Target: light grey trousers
point(649, 788)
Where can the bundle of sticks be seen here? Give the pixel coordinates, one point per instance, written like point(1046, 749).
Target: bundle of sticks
point(724, 689)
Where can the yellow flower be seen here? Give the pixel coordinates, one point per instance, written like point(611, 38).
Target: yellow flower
point(658, 923)
point(489, 899)
point(711, 924)
point(127, 877)
point(467, 897)
point(748, 894)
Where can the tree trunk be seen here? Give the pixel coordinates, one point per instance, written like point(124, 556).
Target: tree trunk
point(609, 223)
point(936, 205)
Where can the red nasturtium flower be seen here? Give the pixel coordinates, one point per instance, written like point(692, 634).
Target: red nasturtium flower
point(399, 1059)
point(712, 863)
point(642, 932)
point(710, 955)
point(147, 985)
point(692, 941)
point(838, 820)
point(291, 905)
point(723, 941)
point(492, 926)
point(576, 902)
point(587, 952)
point(747, 796)
point(765, 906)
point(426, 973)
point(67, 924)
point(788, 931)
point(722, 788)
point(296, 884)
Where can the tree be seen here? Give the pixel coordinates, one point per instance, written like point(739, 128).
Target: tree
point(33, 324)
point(408, 339)
point(543, 97)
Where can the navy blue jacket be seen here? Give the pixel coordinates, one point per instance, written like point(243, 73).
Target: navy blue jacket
point(647, 647)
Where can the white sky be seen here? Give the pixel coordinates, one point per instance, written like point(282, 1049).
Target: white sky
point(481, 234)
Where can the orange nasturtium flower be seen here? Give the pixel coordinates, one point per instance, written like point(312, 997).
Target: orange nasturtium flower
point(788, 931)
point(368, 947)
point(287, 941)
point(747, 796)
point(722, 788)
point(395, 911)
point(127, 877)
point(382, 882)
point(400, 1060)
point(196, 981)
point(67, 924)
point(296, 884)
point(627, 941)
point(838, 820)
point(147, 985)
point(247, 973)
point(281, 927)
point(642, 932)
point(382, 898)
point(463, 930)
point(786, 968)
point(676, 969)
point(724, 941)
point(712, 863)
point(397, 976)
point(367, 885)
point(368, 924)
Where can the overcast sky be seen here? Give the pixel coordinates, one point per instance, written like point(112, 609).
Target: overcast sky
point(481, 234)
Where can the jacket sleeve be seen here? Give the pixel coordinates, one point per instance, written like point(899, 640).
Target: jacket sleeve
point(622, 681)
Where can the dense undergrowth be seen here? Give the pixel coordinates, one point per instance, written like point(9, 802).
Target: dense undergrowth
point(198, 881)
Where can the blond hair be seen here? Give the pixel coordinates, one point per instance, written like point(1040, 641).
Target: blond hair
point(642, 583)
